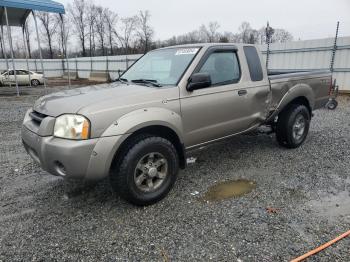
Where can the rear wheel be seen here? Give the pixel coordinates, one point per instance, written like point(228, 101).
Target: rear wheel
point(35, 82)
point(332, 104)
point(293, 126)
point(146, 170)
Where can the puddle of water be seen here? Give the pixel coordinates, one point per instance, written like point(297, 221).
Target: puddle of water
point(229, 189)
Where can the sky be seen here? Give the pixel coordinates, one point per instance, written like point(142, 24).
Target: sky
point(305, 19)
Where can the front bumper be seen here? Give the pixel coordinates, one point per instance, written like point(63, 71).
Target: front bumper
point(86, 159)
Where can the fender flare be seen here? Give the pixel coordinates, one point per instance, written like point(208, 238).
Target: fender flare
point(299, 90)
point(138, 119)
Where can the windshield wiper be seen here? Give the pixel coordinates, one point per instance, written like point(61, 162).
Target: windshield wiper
point(147, 81)
point(122, 80)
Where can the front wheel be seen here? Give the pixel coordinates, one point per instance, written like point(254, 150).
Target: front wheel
point(35, 82)
point(146, 170)
point(293, 126)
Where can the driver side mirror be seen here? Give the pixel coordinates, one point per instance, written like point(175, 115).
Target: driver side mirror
point(198, 81)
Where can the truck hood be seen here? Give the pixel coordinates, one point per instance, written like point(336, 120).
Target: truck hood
point(74, 100)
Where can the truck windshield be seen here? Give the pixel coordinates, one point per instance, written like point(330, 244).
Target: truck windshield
point(162, 67)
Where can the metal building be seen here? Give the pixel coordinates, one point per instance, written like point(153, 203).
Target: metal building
point(15, 13)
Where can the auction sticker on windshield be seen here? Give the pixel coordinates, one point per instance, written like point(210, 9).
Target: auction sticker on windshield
point(187, 51)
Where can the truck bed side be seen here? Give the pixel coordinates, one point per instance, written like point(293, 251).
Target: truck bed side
point(314, 86)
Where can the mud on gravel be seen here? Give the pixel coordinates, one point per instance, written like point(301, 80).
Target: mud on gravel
point(44, 218)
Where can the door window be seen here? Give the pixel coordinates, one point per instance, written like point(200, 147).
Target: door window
point(223, 68)
point(254, 64)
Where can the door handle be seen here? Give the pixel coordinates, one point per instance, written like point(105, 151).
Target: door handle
point(242, 92)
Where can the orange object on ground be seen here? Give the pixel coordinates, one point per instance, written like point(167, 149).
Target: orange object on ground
point(320, 248)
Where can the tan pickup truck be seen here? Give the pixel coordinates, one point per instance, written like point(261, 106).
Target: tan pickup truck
point(138, 129)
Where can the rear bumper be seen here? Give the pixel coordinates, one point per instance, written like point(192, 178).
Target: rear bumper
point(87, 159)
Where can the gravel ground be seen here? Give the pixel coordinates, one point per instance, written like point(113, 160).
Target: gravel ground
point(45, 218)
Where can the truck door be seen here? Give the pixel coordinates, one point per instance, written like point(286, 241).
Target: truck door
point(225, 107)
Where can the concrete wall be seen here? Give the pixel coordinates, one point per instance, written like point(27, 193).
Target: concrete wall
point(82, 65)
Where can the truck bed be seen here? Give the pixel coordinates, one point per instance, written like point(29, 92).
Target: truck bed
point(281, 73)
point(317, 82)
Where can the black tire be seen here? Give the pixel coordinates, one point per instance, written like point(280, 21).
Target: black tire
point(286, 123)
point(332, 104)
point(124, 168)
point(35, 82)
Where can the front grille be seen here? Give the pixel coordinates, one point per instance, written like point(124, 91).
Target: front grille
point(37, 117)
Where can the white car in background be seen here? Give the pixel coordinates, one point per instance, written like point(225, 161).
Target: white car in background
point(8, 77)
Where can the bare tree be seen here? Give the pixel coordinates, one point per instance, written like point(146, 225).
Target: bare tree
point(127, 29)
point(100, 28)
point(281, 36)
point(78, 12)
point(49, 24)
point(253, 37)
point(27, 32)
point(232, 37)
point(169, 42)
point(276, 35)
point(145, 31)
point(64, 31)
point(190, 38)
point(111, 20)
point(91, 22)
point(245, 30)
point(211, 32)
point(262, 35)
point(246, 34)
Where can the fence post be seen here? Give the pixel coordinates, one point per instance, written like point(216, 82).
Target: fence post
point(27, 55)
point(107, 68)
point(268, 45)
point(331, 67)
point(9, 35)
point(39, 46)
point(76, 67)
point(63, 65)
point(64, 49)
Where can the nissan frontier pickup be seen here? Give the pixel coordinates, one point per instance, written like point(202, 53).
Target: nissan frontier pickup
point(138, 129)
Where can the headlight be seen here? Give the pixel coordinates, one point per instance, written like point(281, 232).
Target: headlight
point(72, 127)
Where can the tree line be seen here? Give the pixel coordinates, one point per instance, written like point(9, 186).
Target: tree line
point(98, 31)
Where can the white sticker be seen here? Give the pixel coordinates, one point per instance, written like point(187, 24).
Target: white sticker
point(187, 51)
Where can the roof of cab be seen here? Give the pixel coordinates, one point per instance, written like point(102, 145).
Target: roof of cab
point(207, 45)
